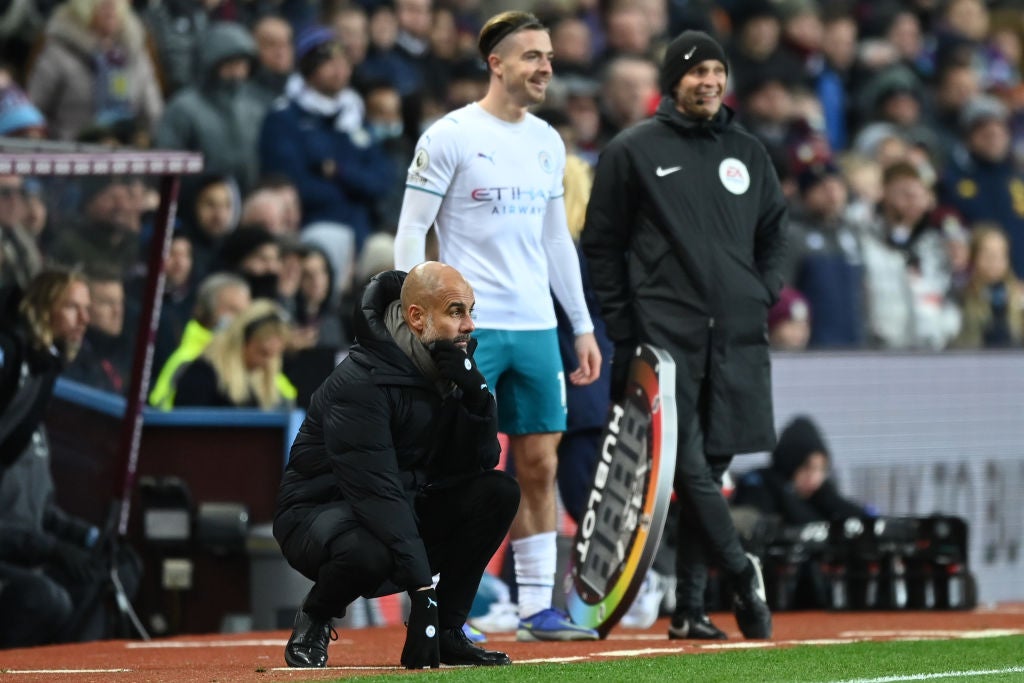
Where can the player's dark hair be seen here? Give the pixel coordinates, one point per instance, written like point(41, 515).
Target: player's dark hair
point(501, 26)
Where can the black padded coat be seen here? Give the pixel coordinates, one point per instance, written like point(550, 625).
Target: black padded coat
point(376, 433)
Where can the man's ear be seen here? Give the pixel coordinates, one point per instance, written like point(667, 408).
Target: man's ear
point(416, 317)
point(494, 62)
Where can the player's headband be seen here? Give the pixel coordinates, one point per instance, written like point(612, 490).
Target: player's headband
point(503, 28)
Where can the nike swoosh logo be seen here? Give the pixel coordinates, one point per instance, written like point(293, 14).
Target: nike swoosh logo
point(690, 53)
point(662, 172)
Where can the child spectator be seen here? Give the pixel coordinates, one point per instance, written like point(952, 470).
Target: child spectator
point(797, 489)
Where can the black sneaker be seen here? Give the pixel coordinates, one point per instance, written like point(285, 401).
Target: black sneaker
point(458, 650)
point(694, 627)
point(307, 647)
point(750, 604)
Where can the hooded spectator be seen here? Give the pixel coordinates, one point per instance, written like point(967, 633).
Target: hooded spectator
point(797, 486)
point(220, 115)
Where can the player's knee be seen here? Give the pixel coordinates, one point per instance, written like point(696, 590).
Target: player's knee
point(537, 470)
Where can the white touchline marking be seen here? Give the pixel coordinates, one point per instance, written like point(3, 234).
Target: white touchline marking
point(67, 671)
point(935, 633)
point(638, 636)
point(645, 651)
point(550, 660)
point(945, 674)
point(335, 668)
point(737, 646)
point(178, 644)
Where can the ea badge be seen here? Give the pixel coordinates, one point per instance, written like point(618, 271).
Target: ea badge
point(734, 175)
point(468, 363)
point(430, 631)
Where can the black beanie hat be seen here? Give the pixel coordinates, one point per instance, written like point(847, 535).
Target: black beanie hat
point(797, 442)
point(241, 244)
point(688, 50)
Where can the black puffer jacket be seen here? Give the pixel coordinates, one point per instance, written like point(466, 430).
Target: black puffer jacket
point(27, 376)
point(377, 432)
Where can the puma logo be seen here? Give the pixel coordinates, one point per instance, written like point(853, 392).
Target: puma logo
point(431, 602)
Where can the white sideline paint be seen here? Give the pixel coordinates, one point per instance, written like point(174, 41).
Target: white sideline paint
point(645, 651)
point(66, 671)
point(337, 668)
point(551, 660)
point(933, 633)
point(945, 674)
point(178, 644)
point(742, 645)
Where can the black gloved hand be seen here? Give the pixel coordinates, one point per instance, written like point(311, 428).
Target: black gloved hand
point(457, 365)
point(421, 637)
point(621, 360)
point(77, 564)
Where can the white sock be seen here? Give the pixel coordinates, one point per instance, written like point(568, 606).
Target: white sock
point(536, 559)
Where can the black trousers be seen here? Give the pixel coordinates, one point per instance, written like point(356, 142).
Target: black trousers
point(706, 533)
point(34, 608)
point(461, 525)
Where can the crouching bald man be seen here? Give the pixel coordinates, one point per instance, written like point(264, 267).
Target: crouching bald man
point(390, 479)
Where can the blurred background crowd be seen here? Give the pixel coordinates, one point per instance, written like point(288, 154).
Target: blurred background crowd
point(897, 129)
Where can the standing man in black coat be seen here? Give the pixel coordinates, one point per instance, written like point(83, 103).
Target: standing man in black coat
point(391, 478)
point(684, 239)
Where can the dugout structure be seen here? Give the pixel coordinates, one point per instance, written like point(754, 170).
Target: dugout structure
point(51, 160)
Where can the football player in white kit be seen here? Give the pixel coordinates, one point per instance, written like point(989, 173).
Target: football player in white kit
point(488, 176)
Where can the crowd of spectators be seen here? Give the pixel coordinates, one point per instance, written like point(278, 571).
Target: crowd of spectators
point(897, 129)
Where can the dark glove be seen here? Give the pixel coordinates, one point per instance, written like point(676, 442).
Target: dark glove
point(457, 365)
point(76, 563)
point(421, 643)
point(621, 360)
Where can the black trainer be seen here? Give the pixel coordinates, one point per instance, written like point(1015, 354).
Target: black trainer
point(307, 647)
point(458, 650)
point(750, 603)
point(694, 627)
